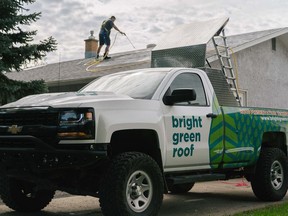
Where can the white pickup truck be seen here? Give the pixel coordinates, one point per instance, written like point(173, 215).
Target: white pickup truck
point(130, 137)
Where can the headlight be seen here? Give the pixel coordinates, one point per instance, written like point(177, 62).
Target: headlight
point(72, 117)
point(76, 124)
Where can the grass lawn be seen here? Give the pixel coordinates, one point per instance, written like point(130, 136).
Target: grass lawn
point(275, 210)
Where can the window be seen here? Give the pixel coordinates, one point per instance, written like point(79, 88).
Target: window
point(273, 44)
point(243, 95)
point(140, 85)
point(189, 81)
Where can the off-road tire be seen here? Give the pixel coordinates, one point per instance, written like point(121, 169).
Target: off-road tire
point(20, 195)
point(181, 188)
point(132, 186)
point(270, 181)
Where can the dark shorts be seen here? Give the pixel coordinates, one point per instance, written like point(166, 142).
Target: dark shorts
point(104, 38)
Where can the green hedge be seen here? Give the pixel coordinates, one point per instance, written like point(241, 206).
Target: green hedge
point(11, 90)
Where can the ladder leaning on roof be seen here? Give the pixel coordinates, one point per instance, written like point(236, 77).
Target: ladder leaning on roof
point(225, 62)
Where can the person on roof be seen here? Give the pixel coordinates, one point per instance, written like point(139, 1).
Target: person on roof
point(104, 35)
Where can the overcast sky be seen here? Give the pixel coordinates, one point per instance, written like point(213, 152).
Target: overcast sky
point(145, 21)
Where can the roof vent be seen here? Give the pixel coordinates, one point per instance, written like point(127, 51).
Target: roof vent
point(150, 46)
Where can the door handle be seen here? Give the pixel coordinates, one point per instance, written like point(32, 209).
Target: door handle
point(211, 115)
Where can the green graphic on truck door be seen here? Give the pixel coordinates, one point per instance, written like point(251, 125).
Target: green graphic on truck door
point(243, 129)
point(216, 141)
point(240, 146)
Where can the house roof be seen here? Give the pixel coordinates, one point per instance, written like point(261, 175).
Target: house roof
point(85, 69)
point(88, 69)
point(243, 41)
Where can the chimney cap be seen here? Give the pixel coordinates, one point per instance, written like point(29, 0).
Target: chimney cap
point(92, 35)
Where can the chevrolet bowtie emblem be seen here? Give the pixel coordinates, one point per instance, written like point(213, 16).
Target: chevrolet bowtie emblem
point(14, 129)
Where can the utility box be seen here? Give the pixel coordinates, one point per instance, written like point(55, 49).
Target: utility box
point(185, 46)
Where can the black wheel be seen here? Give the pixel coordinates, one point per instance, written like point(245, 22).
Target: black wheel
point(270, 181)
point(21, 195)
point(181, 188)
point(133, 186)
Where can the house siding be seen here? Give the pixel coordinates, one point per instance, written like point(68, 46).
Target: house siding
point(263, 72)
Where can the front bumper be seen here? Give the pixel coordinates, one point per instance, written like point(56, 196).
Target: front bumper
point(39, 157)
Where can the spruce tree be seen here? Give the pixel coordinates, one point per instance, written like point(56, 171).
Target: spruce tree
point(16, 47)
point(16, 41)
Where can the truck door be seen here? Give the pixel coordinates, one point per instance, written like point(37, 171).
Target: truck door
point(186, 125)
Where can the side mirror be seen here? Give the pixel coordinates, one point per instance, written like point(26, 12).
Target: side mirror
point(180, 95)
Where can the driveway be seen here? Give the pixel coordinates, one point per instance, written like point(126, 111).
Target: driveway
point(215, 198)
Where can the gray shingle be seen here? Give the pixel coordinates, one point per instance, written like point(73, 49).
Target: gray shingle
point(81, 69)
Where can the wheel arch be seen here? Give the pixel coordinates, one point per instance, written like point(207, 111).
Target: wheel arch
point(270, 139)
point(275, 140)
point(138, 140)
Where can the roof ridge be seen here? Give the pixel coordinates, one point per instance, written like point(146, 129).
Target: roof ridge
point(255, 32)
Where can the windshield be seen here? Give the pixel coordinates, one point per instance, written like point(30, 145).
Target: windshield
point(141, 85)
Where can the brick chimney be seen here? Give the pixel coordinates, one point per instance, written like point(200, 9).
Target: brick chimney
point(91, 45)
